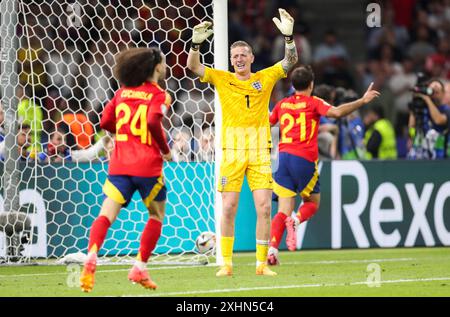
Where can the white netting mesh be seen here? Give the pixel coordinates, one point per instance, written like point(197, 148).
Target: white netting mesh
point(65, 58)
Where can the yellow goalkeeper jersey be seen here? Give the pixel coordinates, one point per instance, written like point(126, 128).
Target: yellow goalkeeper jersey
point(245, 106)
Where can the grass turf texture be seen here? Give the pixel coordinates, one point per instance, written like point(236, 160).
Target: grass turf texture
point(404, 272)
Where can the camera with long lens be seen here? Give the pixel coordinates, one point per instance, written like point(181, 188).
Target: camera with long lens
point(418, 108)
point(418, 105)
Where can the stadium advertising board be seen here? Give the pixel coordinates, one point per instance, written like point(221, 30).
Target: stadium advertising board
point(364, 204)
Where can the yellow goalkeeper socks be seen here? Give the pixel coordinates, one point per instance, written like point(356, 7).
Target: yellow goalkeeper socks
point(226, 243)
point(262, 248)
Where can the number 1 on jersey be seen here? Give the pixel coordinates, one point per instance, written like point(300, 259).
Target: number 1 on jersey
point(248, 100)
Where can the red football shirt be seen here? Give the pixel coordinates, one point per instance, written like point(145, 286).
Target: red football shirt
point(135, 153)
point(299, 118)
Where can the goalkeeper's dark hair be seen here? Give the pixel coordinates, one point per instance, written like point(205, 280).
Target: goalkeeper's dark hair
point(302, 77)
point(135, 65)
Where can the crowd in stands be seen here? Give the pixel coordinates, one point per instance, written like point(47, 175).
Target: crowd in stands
point(66, 74)
point(414, 38)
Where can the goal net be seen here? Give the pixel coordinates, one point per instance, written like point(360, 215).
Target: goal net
point(55, 163)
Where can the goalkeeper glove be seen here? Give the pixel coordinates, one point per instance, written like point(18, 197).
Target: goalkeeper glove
point(286, 24)
point(200, 33)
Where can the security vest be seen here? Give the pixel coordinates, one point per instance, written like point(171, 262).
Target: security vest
point(388, 146)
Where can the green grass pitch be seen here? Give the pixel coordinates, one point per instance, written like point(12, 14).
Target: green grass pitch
point(403, 272)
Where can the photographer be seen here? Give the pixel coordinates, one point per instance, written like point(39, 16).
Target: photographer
point(429, 122)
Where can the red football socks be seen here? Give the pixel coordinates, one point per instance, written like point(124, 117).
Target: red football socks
point(150, 236)
point(277, 229)
point(98, 233)
point(306, 211)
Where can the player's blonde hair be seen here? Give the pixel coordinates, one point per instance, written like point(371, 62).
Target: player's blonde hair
point(241, 44)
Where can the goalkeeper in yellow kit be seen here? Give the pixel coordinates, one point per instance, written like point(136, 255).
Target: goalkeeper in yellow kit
point(246, 142)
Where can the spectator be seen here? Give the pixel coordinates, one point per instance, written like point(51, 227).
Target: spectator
point(108, 149)
point(32, 71)
point(206, 146)
point(380, 135)
point(438, 64)
point(351, 137)
point(76, 125)
point(437, 19)
point(330, 49)
point(421, 48)
point(57, 151)
point(330, 60)
point(351, 129)
point(328, 129)
point(30, 114)
point(2, 119)
point(23, 143)
point(400, 84)
point(181, 147)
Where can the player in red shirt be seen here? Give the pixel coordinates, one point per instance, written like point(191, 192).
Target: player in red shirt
point(299, 117)
point(134, 115)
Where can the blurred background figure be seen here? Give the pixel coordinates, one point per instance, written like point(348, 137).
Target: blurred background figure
point(181, 146)
point(2, 118)
point(328, 129)
point(380, 135)
point(109, 147)
point(23, 142)
point(55, 150)
point(206, 146)
point(77, 126)
point(65, 75)
point(351, 128)
point(30, 114)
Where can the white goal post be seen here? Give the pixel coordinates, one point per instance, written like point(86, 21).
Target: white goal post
point(56, 77)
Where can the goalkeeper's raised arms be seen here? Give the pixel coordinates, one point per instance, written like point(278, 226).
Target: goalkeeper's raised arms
point(200, 33)
point(286, 26)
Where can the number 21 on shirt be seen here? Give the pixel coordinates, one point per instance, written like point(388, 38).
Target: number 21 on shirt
point(288, 120)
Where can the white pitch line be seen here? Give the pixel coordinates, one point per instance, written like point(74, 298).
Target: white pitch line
point(102, 271)
point(351, 261)
point(156, 268)
point(262, 288)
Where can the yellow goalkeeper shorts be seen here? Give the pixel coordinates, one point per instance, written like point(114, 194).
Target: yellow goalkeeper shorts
point(237, 163)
